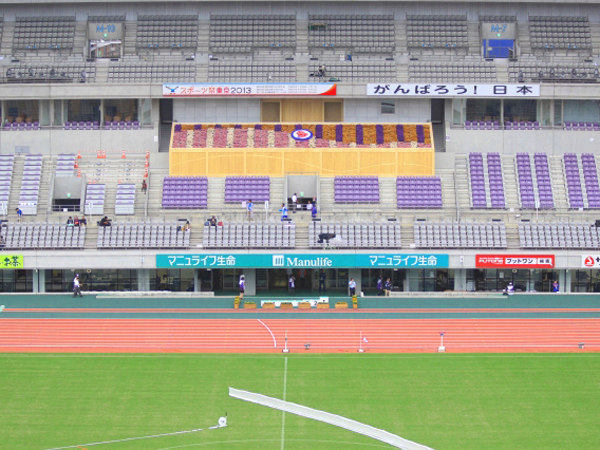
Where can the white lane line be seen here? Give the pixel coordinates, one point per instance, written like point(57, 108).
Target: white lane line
point(269, 330)
point(284, 393)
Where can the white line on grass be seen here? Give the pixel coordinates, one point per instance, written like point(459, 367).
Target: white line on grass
point(283, 412)
point(269, 330)
point(243, 441)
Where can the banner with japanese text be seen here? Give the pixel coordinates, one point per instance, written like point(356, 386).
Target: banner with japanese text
point(515, 261)
point(11, 261)
point(247, 89)
point(452, 90)
point(270, 260)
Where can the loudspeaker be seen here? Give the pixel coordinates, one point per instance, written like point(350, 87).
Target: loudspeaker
point(326, 237)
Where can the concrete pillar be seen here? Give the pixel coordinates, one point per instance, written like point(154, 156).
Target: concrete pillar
point(143, 280)
point(564, 279)
point(39, 280)
point(250, 275)
point(356, 274)
point(407, 280)
point(460, 279)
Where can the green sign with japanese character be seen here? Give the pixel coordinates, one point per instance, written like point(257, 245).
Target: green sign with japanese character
point(11, 261)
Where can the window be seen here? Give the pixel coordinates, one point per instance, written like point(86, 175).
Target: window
point(458, 111)
point(27, 111)
point(520, 110)
point(487, 110)
point(121, 110)
point(83, 110)
point(581, 110)
point(388, 108)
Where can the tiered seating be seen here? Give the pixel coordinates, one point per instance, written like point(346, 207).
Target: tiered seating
point(353, 70)
point(356, 189)
point(540, 71)
point(249, 235)
point(477, 181)
point(460, 235)
point(54, 73)
point(590, 176)
point(245, 34)
point(437, 32)
point(121, 125)
point(82, 125)
point(94, 199)
point(44, 32)
point(242, 189)
point(575, 194)
point(419, 192)
point(43, 236)
point(240, 71)
point(156, 32)
point(482, 125)
point(358, 34)
point(525, 180)
point(496, 181)
point(460, 72)
point(544, 184)
point(21, 126)
point(558, 235)
point(143, 235)
point(30, 184)
point(185, 192)
point(582, 126)
point(125, 200)
point(7, 163)
point(65, 165)
point(559, 32)
point(328, 135)
point(522, 125)
point(356, 235)
point(151, 72)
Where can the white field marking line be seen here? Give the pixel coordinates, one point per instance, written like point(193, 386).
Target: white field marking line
point(284, 393)
point(128, 439)
point(240, 441)
point(329, 418)
point(269, 330)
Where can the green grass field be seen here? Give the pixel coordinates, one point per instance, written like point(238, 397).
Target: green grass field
point(498, 401)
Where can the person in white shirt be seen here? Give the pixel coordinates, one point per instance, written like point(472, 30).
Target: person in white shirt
point(352, 286)
point(76, 286)
point(242, 286)
point(294, 203)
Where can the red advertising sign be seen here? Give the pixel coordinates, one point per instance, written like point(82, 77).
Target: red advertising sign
point(514, 261)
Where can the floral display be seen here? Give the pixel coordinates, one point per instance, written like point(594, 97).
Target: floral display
point(324, 136)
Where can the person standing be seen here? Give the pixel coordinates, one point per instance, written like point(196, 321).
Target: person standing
point(249, 207)
point(352, 286)
point(19, 214)
point(242, 286)
point(144, 186)
point(387, 287)
point(322, 278)
point(283, 212)
point(291, 285)
point(76, 286)
point(294, 203)
point(313, 211)
point(379, 286)
point(555, 287)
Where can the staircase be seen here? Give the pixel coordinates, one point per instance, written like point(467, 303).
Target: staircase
point(79, 40)
point(502, 73)
point(44, 201)
point(155, 191)
point(130, 38)
point(15, 189)
point(326, 200)
point(165, 137)
point(473, 38)
point(102, 70)
point(509, 177)
point(401, 41)
point(523, 39)
point(301, 234)
point(439, 136)
point(461, 172)
point(387, 192)
point(557, 177)
point(8, 33)
point(448, 189)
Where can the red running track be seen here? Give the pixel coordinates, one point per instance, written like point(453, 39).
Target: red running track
point(323, 335)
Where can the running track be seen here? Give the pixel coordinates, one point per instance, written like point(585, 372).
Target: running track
point(324, 335)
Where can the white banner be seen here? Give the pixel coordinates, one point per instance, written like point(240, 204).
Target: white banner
point(247, 89)
point(591, 261)
point(452, 90)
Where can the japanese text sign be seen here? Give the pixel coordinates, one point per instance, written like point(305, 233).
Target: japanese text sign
point(11, 261)
point(452, 90)
point(515, 261)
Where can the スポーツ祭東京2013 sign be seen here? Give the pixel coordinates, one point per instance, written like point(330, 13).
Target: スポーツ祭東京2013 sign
point(452, 90)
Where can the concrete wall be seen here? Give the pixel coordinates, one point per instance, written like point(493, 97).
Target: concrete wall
point(369, 110)
point(243, 110)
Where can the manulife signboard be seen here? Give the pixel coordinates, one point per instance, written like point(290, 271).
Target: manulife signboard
point(292, 260)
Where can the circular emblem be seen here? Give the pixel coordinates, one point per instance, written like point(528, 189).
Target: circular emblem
point(302, 135)
point(589, 261)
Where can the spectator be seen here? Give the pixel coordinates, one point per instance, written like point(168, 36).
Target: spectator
point(144, 186)
point(19, 214)
point(105, 222)
point(555, 287)
point(283, 212)
point(352, 286)
point(70, 222)
point(242, 286)
point(379, 286)
point(2, 243)
point(294, 203)
point(76, 286)
point(309, 206)
point(83, 221)
point(213, 221)
point(387, 287)
point(322, 278)
point(187, 226)
point(291, 285)
point(314, 211)
point(322, 70)
point(76, 221)
point(249, 207)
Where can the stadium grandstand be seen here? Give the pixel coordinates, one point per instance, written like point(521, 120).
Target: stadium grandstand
point(446, 146)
